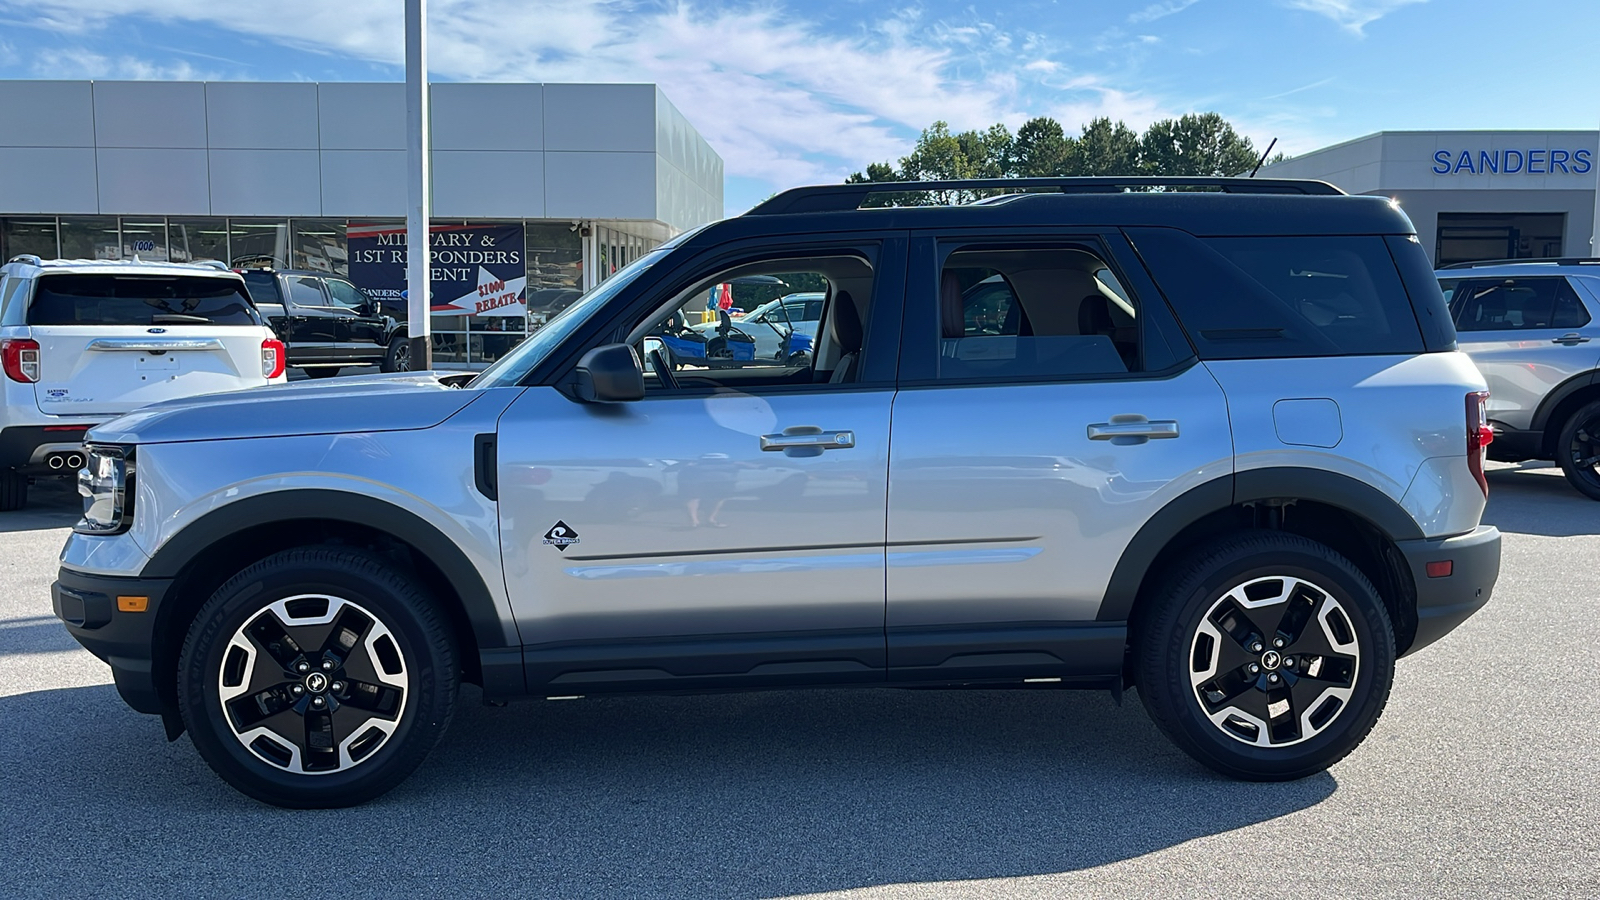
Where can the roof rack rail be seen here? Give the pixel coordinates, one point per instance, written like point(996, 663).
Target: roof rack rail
point(212, 264)
point(840, 197)
point(1547, 260)
point(28, 258)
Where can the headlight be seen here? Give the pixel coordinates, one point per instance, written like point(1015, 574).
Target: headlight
point(106, 483)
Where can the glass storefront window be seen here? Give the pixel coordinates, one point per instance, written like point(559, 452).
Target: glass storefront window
point(144, 238)
point(24, 235)
point(194, 240)
point(319, 245)
point(555, 270)
point(90, 237)
point(258, 242)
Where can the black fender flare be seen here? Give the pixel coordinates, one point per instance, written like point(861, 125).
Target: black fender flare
point(339, 506)
point(1285, 482)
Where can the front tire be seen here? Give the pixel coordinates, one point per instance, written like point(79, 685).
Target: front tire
point(1578, 450)
point(317, 678)
point(398, 358)
point(1268, 657)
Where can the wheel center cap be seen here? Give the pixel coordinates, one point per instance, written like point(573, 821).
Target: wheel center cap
point(1271, 660)
point(316, 682)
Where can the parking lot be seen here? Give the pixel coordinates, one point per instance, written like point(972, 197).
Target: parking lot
point(1482, 778)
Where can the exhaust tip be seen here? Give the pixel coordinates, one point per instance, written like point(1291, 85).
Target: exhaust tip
point(75, 461)
point(56, 460)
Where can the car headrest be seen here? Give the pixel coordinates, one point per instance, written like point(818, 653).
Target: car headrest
point(1094, 315)
point(951, 314)
point(847, 323)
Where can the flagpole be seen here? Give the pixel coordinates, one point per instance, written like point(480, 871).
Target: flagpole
point(419, 274)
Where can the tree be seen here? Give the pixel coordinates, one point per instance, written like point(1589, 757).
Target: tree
point(1199, 145)
point(1107, 149)
point(1042, 149)
point(875, 172)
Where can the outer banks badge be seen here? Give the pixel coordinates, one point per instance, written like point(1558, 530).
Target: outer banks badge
point(560, 535)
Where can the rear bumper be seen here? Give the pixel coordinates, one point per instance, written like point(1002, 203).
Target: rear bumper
point(23, 446)
point(1443, 602)
point(88, 606)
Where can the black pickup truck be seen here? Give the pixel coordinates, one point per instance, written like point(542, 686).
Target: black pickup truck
point(327, 322)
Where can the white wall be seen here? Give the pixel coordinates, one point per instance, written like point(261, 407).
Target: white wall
point(581, 151)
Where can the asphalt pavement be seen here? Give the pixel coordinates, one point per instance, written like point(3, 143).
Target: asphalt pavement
point(1482, 778)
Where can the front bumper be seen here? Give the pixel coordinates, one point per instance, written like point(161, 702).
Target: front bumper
point(96, 614)
point(1443, 602)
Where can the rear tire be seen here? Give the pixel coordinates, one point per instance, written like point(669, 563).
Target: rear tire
point(1267, 657)
point(317, 678)
point(13, 490)
point(322, 371)
point(1578, 450)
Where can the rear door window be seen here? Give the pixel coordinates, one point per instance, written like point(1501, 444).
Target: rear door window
point(306, 291)
point(1255, 297)
point(1516, 304)
point(140, 300)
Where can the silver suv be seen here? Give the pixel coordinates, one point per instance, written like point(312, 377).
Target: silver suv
point(1531, 326)
point(1216, 443)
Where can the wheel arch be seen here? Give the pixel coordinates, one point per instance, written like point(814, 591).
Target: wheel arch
point(1561, 402)
point(225, 541)
point(1352, 517)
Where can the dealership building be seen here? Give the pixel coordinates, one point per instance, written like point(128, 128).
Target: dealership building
point(1473, 194)
point(546, 187)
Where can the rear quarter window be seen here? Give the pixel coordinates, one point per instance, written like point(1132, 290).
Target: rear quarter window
point(263, 286)
point(140, 300)
point(1260, 297)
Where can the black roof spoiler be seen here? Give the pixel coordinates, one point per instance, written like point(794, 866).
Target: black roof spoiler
point(840, 197)
point(1546, 260)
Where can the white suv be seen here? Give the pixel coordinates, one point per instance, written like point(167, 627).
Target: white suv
point(84, 341)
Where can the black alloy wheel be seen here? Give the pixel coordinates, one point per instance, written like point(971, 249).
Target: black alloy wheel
point(398, 359)
point(1578, 450)
point(318, 677)
point(1268, 657)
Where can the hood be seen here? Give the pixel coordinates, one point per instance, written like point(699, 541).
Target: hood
point(402, 401)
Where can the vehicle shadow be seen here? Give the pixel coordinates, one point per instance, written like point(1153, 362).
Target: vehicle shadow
point(738, 795)
point(35, 634)
point(1538, 500)
point(52, 503)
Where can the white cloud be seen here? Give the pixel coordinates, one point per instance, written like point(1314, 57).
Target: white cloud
point(1161, 10)
point(1352, 15)
point(81, 63)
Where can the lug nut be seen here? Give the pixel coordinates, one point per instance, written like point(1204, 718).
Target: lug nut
point(338, 685)
point(1255, 647)
point(327, 665)
point(1254, 669)
point(302, 668)
point(298, 689)
point(316, 701)
point(1278, 643)
point(1288, 661)
point(1271, 678)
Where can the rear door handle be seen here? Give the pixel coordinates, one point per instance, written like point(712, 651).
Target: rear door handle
point(807, 440)
point(1570, 338)
point(1138, 428)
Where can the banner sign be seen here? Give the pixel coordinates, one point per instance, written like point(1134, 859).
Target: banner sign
point(478, 270)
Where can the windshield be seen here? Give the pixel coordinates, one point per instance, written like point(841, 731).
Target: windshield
point(511, 368)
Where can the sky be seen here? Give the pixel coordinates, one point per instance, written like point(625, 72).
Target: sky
point(794, 92)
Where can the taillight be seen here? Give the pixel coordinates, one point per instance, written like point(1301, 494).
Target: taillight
point(273, 358)
point(21, 359)
point(1479, 436)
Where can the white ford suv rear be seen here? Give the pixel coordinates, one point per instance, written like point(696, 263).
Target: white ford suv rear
point(84, 341)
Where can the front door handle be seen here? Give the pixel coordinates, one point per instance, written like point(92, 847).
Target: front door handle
point(1136, 429)
point(1570, 339)
point(807, 440)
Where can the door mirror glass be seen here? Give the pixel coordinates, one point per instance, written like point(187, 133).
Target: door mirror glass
point(609, 374)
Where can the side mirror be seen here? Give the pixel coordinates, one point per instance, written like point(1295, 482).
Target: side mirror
point(609, 374)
